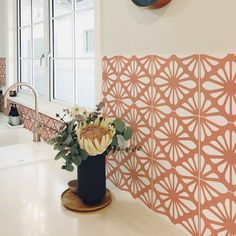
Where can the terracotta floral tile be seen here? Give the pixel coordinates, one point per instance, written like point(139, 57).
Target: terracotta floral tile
point(135, 78)
point(175, 140)
point(195, 226)
point(211, 119)
point(133, 171)
point(179, 109)
point(161, 162)
point(112, 169)
point(109, 74)
point(219, 150)
point(2, 71)
point(141, 128)
point(176, 80)
point(219, 215)
point(176, 201)
point(218, 84)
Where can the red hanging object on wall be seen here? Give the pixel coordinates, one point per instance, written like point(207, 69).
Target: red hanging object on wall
point(151, 4)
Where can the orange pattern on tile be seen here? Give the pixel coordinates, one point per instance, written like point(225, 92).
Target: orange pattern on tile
point(183, 113)
point(48, 124)
point(2, 71)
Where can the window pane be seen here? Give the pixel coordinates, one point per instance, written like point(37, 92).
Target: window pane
point(38, 76)
point(26, 42)
point(63, 80)
point(26, 68)
point(85, 83)
point(25, 12)
point(37, 10)
point(84, 4)
point(63, 37)
point(38, 37)
point(84, 32)
point(61, 7)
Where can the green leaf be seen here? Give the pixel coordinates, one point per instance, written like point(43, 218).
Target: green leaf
point(53, 140)
point(71, 126)
point(74, 150)
point(77, 160)
point(128, 133)
point(119, 125)
point(69, 167)
point(83, 154)
point(68, 140)
point(59, 147)
point(114, 142)
point(60, 154)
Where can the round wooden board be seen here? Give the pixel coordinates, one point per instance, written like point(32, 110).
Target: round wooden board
point(72, 202)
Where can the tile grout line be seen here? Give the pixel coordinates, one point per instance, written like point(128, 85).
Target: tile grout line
point(199, 144)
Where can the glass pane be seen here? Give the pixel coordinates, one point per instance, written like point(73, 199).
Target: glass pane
point(38, 37)
point(25, 12)
point(84, 33)
point(63, 80)
point(38, 77)
point(63, 37)
point(26, 68)
point(84, 4)
point(61, 7)
point(37, 10)
point(85, 83)
point(26, 42)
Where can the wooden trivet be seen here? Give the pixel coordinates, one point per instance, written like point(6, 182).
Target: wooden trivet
point(72, 202)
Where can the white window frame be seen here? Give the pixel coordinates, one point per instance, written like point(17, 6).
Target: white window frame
point(48, 98)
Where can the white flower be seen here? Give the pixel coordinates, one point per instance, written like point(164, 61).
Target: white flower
point(76, 111)
point(96, 137)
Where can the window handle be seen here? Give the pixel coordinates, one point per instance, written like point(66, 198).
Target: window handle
point(41, 59)
point(48, 56)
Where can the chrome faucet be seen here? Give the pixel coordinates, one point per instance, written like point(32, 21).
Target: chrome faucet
point(36, 130)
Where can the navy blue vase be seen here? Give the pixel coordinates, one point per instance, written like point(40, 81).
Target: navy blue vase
point(92, 179)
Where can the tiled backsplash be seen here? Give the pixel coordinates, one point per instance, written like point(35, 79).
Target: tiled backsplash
point(48, 124)
point(183, 113)
point(2, 71)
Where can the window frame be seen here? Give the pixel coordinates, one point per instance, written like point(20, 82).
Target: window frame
point(49, 60)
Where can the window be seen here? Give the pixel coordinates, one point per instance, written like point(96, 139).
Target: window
point(31, 47)
point(56, 50)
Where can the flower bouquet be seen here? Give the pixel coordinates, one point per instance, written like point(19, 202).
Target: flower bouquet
point(84, 140)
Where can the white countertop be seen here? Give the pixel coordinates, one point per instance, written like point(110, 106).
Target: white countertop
point(30, 206)
point(30, 202)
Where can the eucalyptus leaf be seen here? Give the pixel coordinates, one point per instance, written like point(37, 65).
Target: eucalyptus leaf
point(60, 155)
point(114, 142)
point(69, 167)
point(119, 125)
point(128, 133)
point(68, 140)
point(53, 140)
point(74, 150)
point(71, 126)
point(77, 160)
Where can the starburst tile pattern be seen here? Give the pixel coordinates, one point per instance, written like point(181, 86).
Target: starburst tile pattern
point(219, 84)
point(2, 71)
point(219, 215)
point(183, 113)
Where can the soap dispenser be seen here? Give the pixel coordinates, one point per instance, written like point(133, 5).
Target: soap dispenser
point(14, 117)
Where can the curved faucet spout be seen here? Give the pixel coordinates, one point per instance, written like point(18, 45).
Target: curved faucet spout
point(36, 130)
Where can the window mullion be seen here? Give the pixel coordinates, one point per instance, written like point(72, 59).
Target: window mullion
point(74, 54)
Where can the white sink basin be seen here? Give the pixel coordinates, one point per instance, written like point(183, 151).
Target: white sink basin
point(10, 136)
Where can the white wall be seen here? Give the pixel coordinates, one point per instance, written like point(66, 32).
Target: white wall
point(183, 26)
point(2, 28)
point(11, 36)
